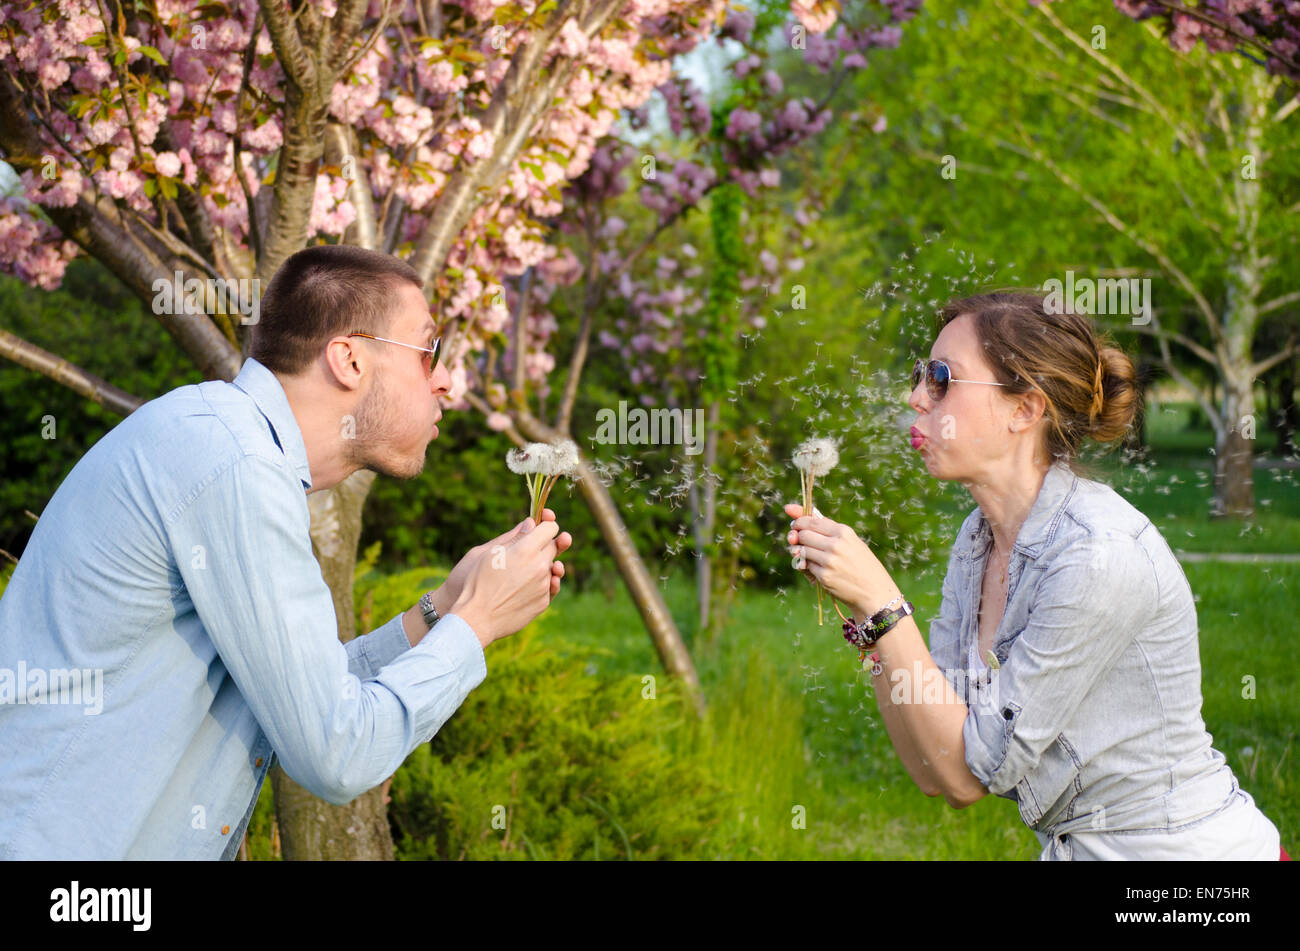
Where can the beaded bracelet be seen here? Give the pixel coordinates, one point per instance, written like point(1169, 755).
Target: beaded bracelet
point(864, 636)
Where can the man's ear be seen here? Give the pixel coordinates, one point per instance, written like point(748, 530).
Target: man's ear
point(345, 362)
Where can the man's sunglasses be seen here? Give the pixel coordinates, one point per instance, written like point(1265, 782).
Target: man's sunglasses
point(428, 361)
point(937, 377)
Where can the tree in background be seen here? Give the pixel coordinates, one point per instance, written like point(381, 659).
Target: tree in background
point(1265, 31)
point(214, 140)
point(205, 143)
point(1174, 168)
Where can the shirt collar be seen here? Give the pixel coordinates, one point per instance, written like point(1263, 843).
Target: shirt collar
point(1058, 485)
point(269, 396)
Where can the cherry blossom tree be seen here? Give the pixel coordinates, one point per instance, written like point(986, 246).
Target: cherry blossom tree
point(1267, 31)
point(204, 143)
point(213, 140)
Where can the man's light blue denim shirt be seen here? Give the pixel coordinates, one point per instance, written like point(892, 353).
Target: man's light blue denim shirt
point(1092, 720)
point(175, 561)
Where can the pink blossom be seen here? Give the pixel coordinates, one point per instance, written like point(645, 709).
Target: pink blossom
point(818, 16)
point(167, 163)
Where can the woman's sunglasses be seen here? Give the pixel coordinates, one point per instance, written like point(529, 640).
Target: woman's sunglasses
point(428, 361)
point(937, 377)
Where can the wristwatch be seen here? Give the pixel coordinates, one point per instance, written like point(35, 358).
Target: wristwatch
point(428, 610)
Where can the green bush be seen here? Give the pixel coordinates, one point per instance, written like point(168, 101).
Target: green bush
point(547, 759)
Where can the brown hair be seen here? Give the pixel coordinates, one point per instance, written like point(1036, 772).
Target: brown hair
point(319, 293)
point(1089, 385)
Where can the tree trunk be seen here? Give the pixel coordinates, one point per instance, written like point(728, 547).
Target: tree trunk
point(1234, 471)
point(654, 612)
point(649, 602)
point(1234, 474)
point(311, 828)
point(703, 520)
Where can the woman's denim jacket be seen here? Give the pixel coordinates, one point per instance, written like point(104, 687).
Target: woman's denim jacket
point(1092, 718)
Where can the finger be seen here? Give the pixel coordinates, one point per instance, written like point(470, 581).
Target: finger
point(539, 536)
point(813, 521)
point(548, 515)
point(813, 539)
point(563, 541)
point(557, 569)
point(794, 511)
point(811, 556)
point(510, 535)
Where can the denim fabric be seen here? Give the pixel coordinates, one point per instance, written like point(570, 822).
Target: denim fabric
point(175, 564)
point(1092, 718)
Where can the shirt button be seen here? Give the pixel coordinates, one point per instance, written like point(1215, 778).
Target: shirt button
point(1006, 714)
point(225, 830)
point(259, 761)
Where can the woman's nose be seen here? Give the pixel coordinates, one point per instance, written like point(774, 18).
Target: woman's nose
point(916, 398)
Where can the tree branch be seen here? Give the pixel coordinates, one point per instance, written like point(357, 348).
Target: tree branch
point(1188, 342)
point(1173, 270)
point(73, 377)
point(338, 146)
point(289, 50)
point(1277, 303)
point(1263, 366)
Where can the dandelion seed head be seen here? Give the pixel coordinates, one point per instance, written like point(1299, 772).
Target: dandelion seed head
point(529, 459)
point(562, 459)
point(817, 456)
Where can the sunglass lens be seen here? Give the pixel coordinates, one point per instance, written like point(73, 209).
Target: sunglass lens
point(938, 380)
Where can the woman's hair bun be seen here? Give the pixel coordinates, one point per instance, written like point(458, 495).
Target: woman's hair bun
point(1118, 399)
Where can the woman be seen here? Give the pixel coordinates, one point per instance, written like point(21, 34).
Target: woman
point(1063, 669)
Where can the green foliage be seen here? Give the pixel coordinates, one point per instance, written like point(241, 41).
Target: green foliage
point(95, 324)
point(548, 759)
point(720, 356)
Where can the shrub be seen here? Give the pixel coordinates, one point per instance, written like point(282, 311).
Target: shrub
point(547, 760)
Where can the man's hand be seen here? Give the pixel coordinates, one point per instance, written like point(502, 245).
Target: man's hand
point(509, 588)
point(450, 590)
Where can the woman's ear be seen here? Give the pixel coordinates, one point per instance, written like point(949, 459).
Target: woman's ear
point(1029, 410)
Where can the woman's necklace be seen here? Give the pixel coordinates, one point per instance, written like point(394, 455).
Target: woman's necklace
point(1002, 579)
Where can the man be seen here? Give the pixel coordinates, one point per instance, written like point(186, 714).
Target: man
point(167, 632)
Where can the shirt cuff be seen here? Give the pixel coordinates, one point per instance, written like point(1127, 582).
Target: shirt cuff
point(384, 645)
point(988, 734)
point(453, 635)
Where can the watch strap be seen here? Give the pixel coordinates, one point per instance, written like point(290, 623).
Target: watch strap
point(430, 613)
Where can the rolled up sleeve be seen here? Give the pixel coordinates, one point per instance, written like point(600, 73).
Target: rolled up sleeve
point(1090, 605)
point(341, 720)
point(370, 653)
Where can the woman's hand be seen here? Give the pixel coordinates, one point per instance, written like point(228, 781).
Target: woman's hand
point(843, 563)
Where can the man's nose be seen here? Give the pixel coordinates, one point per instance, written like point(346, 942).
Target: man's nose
point(440, 380)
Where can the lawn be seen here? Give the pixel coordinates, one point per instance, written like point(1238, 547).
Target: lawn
point(792, 722)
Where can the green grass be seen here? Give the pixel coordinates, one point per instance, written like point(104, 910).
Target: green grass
point(791, 723)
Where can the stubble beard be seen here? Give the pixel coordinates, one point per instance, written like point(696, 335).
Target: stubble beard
point(376, 435)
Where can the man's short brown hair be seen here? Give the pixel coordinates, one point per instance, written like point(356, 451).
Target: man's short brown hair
point(321, 292)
